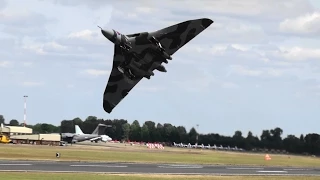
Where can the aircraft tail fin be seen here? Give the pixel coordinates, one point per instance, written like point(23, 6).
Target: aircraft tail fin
point(100, 129)
point(78, 130)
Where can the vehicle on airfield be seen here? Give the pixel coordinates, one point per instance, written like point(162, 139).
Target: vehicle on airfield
point(5, 139)
point(137, 55)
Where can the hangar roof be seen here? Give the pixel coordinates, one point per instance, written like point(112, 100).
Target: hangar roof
point(16, 129)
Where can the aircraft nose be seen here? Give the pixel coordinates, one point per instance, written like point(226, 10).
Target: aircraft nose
point(108, 34)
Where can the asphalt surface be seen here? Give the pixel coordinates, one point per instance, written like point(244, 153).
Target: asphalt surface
point(59, 166)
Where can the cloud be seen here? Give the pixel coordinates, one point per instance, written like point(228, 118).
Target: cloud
point(282, 73)
point(244, 71)
point(305, 25)
point(299, 53)
point(200, 80)
point(96, 72)
point(91, 4)
point(246, 9)
point(32, 83)
point(3, 4)
point(229, 85)
point(257, 72)
point(34, 24)
point(150, 88)
point(84, 34)
point(70, 85)
point(45, 48)
point(5, 64)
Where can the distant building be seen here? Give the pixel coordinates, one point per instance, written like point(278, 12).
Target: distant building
point(23, 135)
point(15, 130)
point(39, 139)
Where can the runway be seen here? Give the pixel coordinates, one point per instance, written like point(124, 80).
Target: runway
point(59, 166)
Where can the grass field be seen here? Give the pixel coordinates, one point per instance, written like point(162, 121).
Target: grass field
point(82, 176)
point(121, 153)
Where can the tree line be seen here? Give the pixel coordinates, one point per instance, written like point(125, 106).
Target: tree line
point(167, 133)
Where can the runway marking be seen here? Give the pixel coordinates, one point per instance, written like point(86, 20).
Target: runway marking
point(272, 171)
point(244, 168)
point(96, 165)
point(15, 164)
point(181, 167)
point(297, 169)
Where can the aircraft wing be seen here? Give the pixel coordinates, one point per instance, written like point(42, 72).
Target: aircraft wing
point(171, 38)
point(118, 85)
point(93, 139)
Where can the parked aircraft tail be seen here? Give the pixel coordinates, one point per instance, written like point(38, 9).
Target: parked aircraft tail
point(100, 129)
point(78, 130)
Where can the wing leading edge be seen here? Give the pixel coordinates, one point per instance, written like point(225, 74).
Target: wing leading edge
point(174, 37)
point(171, 38)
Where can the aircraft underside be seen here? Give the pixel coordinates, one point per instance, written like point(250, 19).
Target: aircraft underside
point(134, 69)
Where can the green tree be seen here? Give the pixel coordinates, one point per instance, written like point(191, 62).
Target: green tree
point(237, 136)
point(14, 122)
point(183, 134)
point(126, 131)
point(67, 126)
point(166, 134)
point(152, 130)
point(276, 138)
point(49, 128)
point(238, 140)
point(145, 136)
point(193, 135)
point(266, 138)
point(291, 143)
point(135, 131)
point(78, 121)
point(89, 124)
point(157, 133)
point(250, 141)
point(312, 143)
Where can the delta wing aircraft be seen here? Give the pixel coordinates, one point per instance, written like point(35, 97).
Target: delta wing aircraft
point(137, 55)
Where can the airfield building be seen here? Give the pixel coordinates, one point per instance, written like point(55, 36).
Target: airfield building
point(37, 139)
point(23, 135)
point(15, 130)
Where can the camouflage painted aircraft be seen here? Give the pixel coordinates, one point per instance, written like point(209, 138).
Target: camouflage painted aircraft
point(137, 55)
